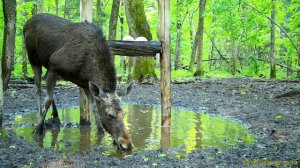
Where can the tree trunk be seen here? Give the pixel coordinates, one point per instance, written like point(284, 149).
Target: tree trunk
point(24, 52)
point(1, 98)
point(66, 8)
point(56, 7)
point(192, 32)
point(178, 38)
point(272, 38)
point(113, 22)
point(199, 70)
point(298, 72)
point(1, 90)
point(123, 59)
point(86, 14)
point(234, 48)
point(40, 7)
point(165, 66)
point(144, 68)
point(212, 53)
point(178, 47)
point(213, 41)
point(194, 50)
point(9, 12)
point(24, 60)
point(99, 13)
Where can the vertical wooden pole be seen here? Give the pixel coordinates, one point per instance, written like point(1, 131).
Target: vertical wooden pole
point(165, 61)
point(86, 14)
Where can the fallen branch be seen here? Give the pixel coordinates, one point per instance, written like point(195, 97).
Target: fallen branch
point(183, 82)
point(288, 94)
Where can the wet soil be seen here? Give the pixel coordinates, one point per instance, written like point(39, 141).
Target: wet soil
point(274, 121)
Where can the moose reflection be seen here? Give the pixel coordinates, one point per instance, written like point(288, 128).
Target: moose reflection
point(188, 130)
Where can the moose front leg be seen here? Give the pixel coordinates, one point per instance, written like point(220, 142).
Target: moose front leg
point(50, 85)
point(53, 122)
point(96, 114)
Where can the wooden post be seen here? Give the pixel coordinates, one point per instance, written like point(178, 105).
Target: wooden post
point(86, 14)
point(165, 64)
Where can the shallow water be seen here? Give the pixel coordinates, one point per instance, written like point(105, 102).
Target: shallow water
point(188, 130)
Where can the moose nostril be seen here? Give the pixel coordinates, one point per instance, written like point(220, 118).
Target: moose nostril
point(131, 145)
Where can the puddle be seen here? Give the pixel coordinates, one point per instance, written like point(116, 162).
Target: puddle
point(188, 130)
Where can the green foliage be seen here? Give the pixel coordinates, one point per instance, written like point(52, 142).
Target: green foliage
point(278, 118)
point(3, 134)
point(229, 23)
point(1, 28)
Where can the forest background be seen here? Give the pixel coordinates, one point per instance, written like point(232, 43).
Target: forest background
point(210, 39)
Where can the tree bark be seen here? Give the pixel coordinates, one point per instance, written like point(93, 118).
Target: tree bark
point(56, 7)
point(86, 14)
point(9, 11)
point(165, 64)
point(99, 13)
point(178, 38)
point(199, 70)
point(194, 50)
point(1, 98)
point(144, 68)
point(178, 46)
point(272, 39)
point(40, 7)
point(24, 52)
point(66, 8)
point(234, 48)
point(113, 22)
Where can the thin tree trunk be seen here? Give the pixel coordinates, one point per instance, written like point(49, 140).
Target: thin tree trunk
point(123, 59)
point(24, 60)
point(199, 71)
point(298, 72)
point(24, 53)
point(40, 7)
point(99, 13)
point(234, 48)
point(113, 22)
point(213, 41)
point(56, 7)
point(212, 53)
point(178, 45)
point(9, 12)
point(192, 32)
point(65, 9)
point(272, 38)
point(1, 97)
point(194, 50)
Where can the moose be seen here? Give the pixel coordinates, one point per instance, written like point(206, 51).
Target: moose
point(79, 53)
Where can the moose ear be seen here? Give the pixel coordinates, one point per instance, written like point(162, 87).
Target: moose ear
point(96, 92)
point(126, 90)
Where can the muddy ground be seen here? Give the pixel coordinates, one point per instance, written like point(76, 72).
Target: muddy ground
point(250, 101)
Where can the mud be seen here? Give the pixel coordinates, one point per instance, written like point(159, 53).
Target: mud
point(274, 121)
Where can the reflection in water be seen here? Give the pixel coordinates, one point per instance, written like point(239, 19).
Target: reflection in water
point(189, 130)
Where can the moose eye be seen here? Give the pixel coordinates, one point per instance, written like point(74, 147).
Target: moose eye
point(110, 116)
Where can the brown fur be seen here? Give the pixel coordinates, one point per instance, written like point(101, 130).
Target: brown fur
point(76, 51)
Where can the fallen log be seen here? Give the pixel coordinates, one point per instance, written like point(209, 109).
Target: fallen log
point(135, 48)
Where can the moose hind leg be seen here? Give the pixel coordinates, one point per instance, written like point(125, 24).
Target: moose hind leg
point(37, 71)
point(50, 85)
